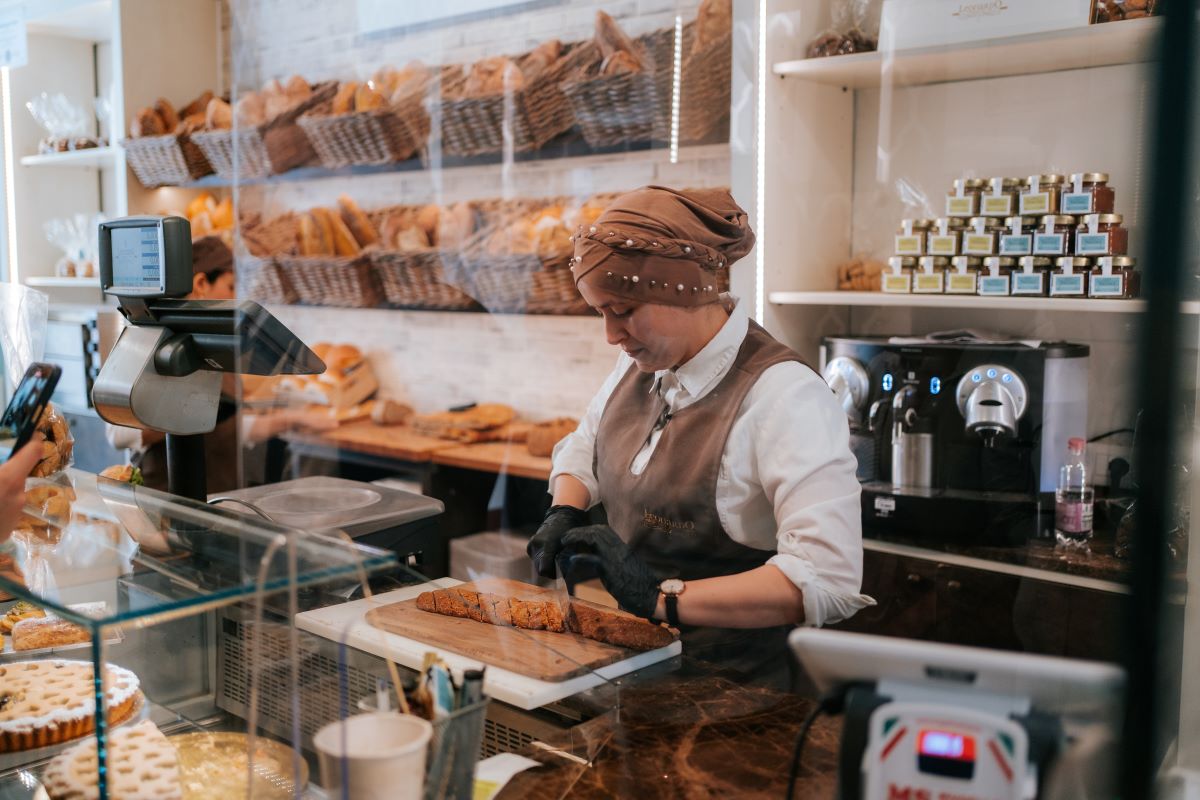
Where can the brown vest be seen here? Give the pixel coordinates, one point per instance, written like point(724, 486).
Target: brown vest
point(222, 456)
point(668, 514)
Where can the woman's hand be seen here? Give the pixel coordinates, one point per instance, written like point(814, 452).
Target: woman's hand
point(597, 552)
point(12, 484)
point(544, 546)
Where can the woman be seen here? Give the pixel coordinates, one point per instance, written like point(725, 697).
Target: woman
point(722, 460)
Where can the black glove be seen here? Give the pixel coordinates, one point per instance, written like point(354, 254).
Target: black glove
point(597, 552)
point(543, 547)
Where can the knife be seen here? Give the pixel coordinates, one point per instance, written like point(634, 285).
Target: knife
point(562, 593)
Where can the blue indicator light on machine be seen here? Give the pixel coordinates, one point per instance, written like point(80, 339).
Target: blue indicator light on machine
point(887, 382)
point(1007, 378)
point(991, 373)
point(935, 385)
point(976, 378)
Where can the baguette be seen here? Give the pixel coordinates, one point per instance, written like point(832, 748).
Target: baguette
point(599, 624)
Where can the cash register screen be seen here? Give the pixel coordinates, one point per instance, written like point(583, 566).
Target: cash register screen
point(137, 258)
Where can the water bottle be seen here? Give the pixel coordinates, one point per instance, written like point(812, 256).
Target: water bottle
point(1073, 499)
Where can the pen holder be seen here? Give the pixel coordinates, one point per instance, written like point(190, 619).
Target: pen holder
point(453, 752)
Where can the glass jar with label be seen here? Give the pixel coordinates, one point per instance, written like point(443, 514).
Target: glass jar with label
point(1031, 277)
point(1040, 194)
point(910, 237)
point(1114, 276)
point(1101, 235)
point(999, 198)
point(979, 237)
point(963, 277)
point(1070, 275)
point(930, 276)
point(1017, 238)
point(1088, 193)
point(945, 238)
point(963, 199)
point(897, 278)
point(1055, 235)
point(995, 278)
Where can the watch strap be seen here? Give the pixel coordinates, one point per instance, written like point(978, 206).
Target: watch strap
point(671, 603)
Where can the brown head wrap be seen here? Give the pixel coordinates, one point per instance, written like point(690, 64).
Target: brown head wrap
point(660, 245)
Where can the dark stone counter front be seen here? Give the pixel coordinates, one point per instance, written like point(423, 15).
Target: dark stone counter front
point(688, 734)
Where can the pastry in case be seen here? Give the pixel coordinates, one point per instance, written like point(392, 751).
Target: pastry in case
point(142, 765)
point(48, 702)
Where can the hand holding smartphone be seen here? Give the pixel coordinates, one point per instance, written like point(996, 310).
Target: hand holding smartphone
point(26, 407)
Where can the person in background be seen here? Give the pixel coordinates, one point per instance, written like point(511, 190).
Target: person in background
point(213, 279)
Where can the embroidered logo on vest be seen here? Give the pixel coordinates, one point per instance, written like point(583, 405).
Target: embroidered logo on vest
point(665, 524)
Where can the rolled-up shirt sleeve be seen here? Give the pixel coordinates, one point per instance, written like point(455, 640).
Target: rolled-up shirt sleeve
point(804, 464)
point(575, 454)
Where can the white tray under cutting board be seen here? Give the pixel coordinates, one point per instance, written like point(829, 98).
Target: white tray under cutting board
point(348, 623)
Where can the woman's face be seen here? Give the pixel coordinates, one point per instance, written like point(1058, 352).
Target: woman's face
point(655, 336)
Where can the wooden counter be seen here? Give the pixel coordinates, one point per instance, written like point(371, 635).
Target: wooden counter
point(395, 441)
point(509, 458)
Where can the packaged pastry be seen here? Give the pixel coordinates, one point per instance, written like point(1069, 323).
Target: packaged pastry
point(58, 446)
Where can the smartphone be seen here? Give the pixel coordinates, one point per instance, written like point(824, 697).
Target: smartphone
point(24, 411)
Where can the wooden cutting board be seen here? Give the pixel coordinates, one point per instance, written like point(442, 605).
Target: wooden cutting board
point(543, 655)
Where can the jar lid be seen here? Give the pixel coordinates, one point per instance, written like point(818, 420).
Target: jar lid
point(937, 261)
point(1089, 177)
point(950, 222)
point(999, 261)
point(1049, 177)
point(903, 261)
point(1057, 219)
point(1077, 262)
point(988, 222)
point(968, 183)
point(1125, 262)
point(969, 261)
point(917, 224)
point(1102, 219)
point(1006, 183)
point(1030, 221)
point(1039, 262)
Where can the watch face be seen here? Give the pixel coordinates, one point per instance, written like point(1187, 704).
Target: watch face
point(672, 586)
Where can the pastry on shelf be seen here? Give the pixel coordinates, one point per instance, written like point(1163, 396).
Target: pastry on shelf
point(42, 632)
point(162, 118)
point(619, 54)
point(860, 274)
point(543, 436)
point(142, 765)
point(485, 422)
point(714, 21)
point(21, 610)
point(53, 701)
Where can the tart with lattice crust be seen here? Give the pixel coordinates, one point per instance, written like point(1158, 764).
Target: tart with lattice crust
point(142, 765)
point(47, 702)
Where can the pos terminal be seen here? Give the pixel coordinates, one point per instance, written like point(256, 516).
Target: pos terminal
point(164, 373)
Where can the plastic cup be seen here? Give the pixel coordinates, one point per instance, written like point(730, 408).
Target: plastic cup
point(374, 757)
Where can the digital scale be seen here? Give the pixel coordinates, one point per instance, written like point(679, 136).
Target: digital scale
point(164, 373)
point(929, 721)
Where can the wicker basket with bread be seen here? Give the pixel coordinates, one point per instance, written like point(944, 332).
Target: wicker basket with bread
point(379, 121)
point(704, 90)
point(160, 149)
point(521, 95)
point(328, 266)
point(409, 260)
point(262, 128)
point(624, 95)
point(258, 276)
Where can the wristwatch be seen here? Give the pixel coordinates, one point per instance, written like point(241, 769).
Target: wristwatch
point(671, 589)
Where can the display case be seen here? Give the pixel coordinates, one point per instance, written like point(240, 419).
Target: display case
point(188, 607)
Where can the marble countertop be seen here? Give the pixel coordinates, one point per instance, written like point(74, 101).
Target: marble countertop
point(690, 733)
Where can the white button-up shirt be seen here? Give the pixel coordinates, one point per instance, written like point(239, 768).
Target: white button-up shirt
point(786, 480)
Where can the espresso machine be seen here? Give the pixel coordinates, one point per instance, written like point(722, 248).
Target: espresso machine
point(958, 441)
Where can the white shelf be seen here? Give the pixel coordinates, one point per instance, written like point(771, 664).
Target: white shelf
point(64, 283)
point(1125, 42)
point(880, 299)
point(90, 20)
point(92, 158)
